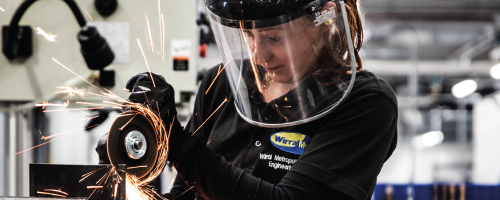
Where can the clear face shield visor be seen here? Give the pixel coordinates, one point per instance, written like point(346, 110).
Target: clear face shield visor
point(290, 69)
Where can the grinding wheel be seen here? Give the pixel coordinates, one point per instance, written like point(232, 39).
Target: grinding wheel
point(132, 141)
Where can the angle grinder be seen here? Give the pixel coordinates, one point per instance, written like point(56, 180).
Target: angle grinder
point(131, 140)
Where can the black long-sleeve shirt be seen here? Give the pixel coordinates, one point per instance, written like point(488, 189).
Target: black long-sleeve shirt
point(342, 156)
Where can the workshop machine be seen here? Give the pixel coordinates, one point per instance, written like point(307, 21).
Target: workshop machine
point(29, 76)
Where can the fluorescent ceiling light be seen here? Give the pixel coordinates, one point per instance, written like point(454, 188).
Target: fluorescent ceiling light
point(428, 139)
point(464, 88)
point(495, 71)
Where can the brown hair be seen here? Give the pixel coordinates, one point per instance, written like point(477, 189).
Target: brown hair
point(335, 57)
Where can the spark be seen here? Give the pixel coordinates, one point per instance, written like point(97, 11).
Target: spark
point(47, 142)
point(46, 103)
point(89, 118)
point(48, 137)
point(57, 195)
point(163, 40)
point(88, 15)
point(218, 72)
point(77, 75)
point(147, 38)
point(138, 42)
point(88, 103)
point(74, 109)
point(71, 91)
point(149, 31)
point(48, 36)
point(171, 124)
point(93, 187)
point(183, 192)
point(159, 22)
point(54, 190)
point(209, 116)
point(209, 141)
point(128, 122)
point(137, 167)
point(90, 173)
point(1, 9)
point(84, 112)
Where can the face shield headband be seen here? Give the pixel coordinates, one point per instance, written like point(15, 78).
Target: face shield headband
point(275, 66)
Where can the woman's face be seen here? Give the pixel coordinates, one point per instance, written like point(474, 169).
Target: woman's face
point(287, 51)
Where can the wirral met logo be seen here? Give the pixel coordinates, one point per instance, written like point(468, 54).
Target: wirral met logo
point(290, 142)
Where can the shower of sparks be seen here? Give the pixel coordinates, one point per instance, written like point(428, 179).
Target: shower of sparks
point(1, 9)
point(209, 116)
point(71, 91)
point(48, 193)
point(115, 178)
point(54, 190)
point(218, 72)
point(48, 36)
point(88, 15)
point(139, 42)
point(49, 141)
point(149, 31)
point(141, 186)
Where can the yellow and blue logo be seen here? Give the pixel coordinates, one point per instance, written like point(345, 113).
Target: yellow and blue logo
point(290, 142)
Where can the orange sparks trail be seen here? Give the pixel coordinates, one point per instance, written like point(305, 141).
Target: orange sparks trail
point(46, 103)
point(138, 42)
point(48, 193)
point(149, 31)
point(49, 141)
point(128, 122)
point(210, 116)
point(48, 36)
point(183, 192)
point(218, 72)
point(75, 109)
point(54, 190)
point(163, 38)
point(89, 174)
point(1, 9)
point(88, 15)
point(77, 75)
point(93, 187)
point(137, 167)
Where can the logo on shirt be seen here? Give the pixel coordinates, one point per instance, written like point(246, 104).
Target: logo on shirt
point(290, 142)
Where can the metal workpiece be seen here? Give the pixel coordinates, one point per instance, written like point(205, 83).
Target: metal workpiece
point(94, 181)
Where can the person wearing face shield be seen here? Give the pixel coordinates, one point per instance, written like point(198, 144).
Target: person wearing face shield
point(289, 114)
